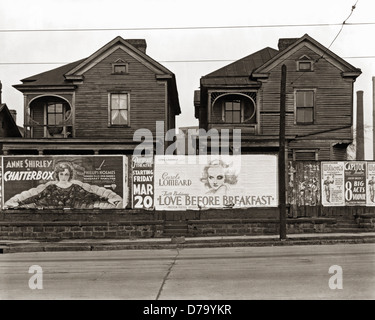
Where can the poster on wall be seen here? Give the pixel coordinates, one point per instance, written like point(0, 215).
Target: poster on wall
point(64, 182)
point(332, 184)
point(355, 183)
point(1, 182)
point(142, 177)
point(304, 183)
point(370, 184)
point(199, 182)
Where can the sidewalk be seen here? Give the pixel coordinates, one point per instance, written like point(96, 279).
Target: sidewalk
point(13, 246)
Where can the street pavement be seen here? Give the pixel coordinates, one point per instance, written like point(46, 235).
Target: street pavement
point(338, 271)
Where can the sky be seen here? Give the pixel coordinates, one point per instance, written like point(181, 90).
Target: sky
point(189, 37)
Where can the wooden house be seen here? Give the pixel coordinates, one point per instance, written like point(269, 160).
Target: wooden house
point(319, 100)
point(8, 125)
point(96, 104)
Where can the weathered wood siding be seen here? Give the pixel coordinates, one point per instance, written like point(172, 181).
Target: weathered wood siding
point(333, 104)
point(147, 99)
point(38, 116)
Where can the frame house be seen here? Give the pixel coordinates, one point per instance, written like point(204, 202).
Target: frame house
point(8, 123)
point(95, 105)
point(319, 100)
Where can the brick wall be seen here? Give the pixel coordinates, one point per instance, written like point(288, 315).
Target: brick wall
point(237, 227)
point(76, 224)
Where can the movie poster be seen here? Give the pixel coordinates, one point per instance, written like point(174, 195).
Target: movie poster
point(1, 182)
point(142, 176)
point(370, 184)
point(355, 183)
point(65, 182)
point(199, 182)
point(332, 184)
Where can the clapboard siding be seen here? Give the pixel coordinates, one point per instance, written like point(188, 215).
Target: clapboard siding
point(38, 117)
point(333, 100)
point(147, 98)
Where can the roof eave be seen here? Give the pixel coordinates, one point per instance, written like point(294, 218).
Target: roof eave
point(24, 88)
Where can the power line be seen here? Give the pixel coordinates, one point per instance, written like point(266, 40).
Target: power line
point(165, 61)
point(326, 50)
point(186, 28)
point(342, 26)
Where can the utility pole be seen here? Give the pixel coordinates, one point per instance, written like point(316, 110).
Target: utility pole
point(282, 187)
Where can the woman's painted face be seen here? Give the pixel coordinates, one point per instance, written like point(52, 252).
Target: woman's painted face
point(216, 177)
point(64, 175)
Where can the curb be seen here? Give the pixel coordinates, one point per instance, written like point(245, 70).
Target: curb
point(181, 242)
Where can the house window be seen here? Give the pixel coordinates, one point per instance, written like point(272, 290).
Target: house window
point(305, 106)
point(58, 114)
point(55, 113)
point(305, 64)
point(120, 67)
point(233, 109)
point(305, 155)
point(118, 109)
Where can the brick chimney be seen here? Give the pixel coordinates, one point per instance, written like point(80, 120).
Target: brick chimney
point(140, 44)
point(373, 117)
point(285, 43)
point(360, 143)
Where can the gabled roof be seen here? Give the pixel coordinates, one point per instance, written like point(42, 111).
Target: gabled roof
point(15, 129)
point(314, 45)
point(238, 72)
point(65, 76)
point(111, 46)
point(52, 77)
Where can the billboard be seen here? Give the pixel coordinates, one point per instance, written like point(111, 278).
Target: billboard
point(56, 182)
point(196, 182)
point(347, 183)
point(142, 185)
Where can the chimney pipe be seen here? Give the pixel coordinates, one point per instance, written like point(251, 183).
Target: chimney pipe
point(373, 118)
point(140, 44)
point(360, 151)
point(1, 89)
point(285, 43)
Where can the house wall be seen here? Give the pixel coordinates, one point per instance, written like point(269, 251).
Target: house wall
point(6, 129)
point(147, 99)
point(334, 98)
point(4, 126)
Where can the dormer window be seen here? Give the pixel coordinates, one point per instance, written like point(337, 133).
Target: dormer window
point(120, 67)
point(305, 64)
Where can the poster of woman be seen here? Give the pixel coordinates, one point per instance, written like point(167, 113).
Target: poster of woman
point(56, 182)
point(198, 182)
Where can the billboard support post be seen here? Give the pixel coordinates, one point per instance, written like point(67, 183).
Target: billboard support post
point(282, 185)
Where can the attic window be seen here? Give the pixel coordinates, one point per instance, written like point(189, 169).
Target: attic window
point(119, 67)
point(305, 64)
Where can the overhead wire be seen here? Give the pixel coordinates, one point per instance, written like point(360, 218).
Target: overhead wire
point(183, 28)
point(326, 50)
